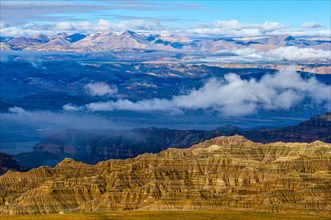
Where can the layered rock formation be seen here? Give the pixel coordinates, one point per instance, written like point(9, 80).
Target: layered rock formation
point(229, 173)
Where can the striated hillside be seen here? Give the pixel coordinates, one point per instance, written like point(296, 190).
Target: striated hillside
point(229, 173)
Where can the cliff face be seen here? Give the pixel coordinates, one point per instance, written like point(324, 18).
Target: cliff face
point(230, 173)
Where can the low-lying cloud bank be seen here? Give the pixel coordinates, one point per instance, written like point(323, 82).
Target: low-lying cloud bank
point(48, 120)
point(292, 53)
point(217, 28)
point(288, 54)
point(233, 96)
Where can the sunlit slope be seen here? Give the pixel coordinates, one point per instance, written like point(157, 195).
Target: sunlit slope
point(227, 173)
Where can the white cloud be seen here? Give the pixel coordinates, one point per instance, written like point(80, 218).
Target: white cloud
point(55, 120)
point(304, 32)
point(234, 96)
point(290, 53)
point(219, 28)
point(234, 28)
point(146, 105)
point(30, 29)
point(237, 25)
point(71, 108)
point(106, 25)
point(299, 54)
point(100, 89)
point(312, 25)
point(134, 24)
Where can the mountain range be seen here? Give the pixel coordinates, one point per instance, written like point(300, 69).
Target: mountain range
point(132, 41)
point(92, 146)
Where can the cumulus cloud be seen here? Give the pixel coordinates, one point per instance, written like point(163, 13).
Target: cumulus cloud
point(299, 54)
point(290, 53)
point(236, 25)
point(100, 89)
point(219, 28)
point(312, 25)
point(133, 24)
point(235, 28)
point(30, 29)
point(307, 32)
point(106, 25)
point(234, 96)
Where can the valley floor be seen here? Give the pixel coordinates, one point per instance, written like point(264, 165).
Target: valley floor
point(169, 215)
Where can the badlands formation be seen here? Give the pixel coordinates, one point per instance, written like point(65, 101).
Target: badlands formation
point(224, 173)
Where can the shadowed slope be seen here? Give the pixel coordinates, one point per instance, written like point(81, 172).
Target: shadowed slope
point(8, 162)
point(98, 145)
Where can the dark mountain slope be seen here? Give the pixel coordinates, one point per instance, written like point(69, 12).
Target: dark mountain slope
point(317, 128)
point(8, 162)
point(97, 145)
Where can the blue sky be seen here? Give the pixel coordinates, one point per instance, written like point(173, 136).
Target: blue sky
point(292, 12)
point(166, 15)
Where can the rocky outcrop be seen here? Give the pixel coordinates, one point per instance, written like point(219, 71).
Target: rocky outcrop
point(8, 162)
point(230, 173)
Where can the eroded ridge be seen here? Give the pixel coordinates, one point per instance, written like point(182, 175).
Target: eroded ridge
point(229, 173)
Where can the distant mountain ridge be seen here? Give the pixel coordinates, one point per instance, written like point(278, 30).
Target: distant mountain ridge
point(317, 128)
point(95, 146)
point(130, 40)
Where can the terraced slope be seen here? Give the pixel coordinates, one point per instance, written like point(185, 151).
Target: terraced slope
point(230, 173)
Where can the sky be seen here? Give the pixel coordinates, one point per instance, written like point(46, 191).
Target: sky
point(204, 18)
